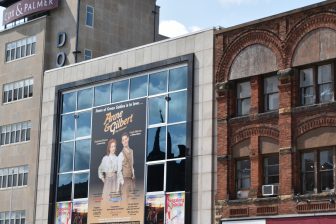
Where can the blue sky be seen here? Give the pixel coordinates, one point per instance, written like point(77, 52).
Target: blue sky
point(182, 16)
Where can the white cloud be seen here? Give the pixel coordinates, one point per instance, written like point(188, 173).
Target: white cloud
point(173, 28)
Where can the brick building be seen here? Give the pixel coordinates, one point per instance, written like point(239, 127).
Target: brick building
point(276, 118)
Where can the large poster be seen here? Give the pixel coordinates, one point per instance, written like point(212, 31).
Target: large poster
point(117, 163)
point(63, 213)
point(175, 208)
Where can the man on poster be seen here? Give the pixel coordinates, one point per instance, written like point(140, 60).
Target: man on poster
point(126, 168)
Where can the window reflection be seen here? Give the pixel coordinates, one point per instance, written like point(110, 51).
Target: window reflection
point(155, 175)
point(178, 78)
point(138, 87)
point(64, 187)
point(176, 141)
point(157, 83)
point(120, 91)
point(175, 176)
point(69, 102)
point(156, 144)
point(177, 107)
point(102, 95)
point(68, 127)
point(83, 124)
point(82, 155)
point(81, 185)
point(85, 99)
point(66, 157)
point(157, 110)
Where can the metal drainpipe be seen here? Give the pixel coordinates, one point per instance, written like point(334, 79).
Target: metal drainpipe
point(77, 31)
point(154, 12)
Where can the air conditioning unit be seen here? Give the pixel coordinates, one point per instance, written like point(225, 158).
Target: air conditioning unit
point(270, 190)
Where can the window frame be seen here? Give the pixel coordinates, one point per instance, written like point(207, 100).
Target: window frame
point(264, 168)
point(18, 49)
point(85, 55)
point(236, 174)
point(240, 100)
point(266, 94)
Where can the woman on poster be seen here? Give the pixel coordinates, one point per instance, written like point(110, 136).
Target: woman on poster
point(108, 171)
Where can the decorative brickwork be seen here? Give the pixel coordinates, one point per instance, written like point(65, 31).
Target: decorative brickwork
point(322, 121)
point(248, 132)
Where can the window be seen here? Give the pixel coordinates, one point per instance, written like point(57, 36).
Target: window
point(18, 90)
point(271, 93)
point(89, 15)
point(21, 48)
point(87, 54)
point(13, 217)
point(317, 169)
point(243, 98)
point(165, 163)
point(15, 133)
point(271, 169)
point(317, 84)
point(13, 177)
point(243, 178)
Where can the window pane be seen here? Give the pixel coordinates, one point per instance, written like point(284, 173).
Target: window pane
point(244, 106)
point(324, 74)
point(81, 185)
point(82, 155)
point(272, 102)
point(175, 176)
point(155, 176)
point(271, 84)
point(138, 87)
point(244, 90)
point(68, 127)
point(308, 162)
point(326, 92)
point(177, 107)
point(327, 180)
point(85, 99)
point(326, 160)
point(306, 77)
point(102, 94)
point(66, 157)
point(178, 78)
point(10, 180)
point(308, 182)
point(69, 102)
point(243, 174)
point(157, 110)
point(176, 141)
point(157, 83)
point(156, 144)
point(83, 124)
point(64, 187)
point(120, 91)
point(25, 179)
point(308, 95)
point(15, 176)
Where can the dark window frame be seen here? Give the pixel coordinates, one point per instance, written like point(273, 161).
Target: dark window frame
point(266, 94)
point(239, 101)
point(264, 169)
point(239, 188)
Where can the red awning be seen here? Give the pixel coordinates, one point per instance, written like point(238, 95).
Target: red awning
point(304, 220)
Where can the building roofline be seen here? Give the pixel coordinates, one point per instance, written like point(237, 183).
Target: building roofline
point(276, 16)
point(133, 49)
point(23, 24)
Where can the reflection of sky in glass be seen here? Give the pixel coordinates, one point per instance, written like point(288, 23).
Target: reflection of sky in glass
point(178, 137)
point(177, 107)
point(66, 157)
point(64, 187)
point(82, 155)
point(159, 153)
point(120, 91)
point(156, 105)
point(69, 102)
point(138, 87)
point(68, 127)
point(85, 98)
point(83, 124)
point(64, 179)
point(157, 83)
point(178, 78)
point(102, 94)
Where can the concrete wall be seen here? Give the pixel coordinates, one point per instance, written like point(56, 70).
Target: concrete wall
point(25, 153)
point(202, 45)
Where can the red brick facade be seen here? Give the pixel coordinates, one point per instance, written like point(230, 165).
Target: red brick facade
point(283, 35)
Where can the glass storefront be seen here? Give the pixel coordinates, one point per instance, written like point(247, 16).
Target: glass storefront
point(164, 156)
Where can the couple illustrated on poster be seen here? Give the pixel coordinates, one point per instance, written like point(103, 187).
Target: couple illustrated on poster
point(117, 171)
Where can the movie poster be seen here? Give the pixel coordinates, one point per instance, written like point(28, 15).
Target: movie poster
point(79, 212)
point(117, 163)
point(154, 213)
point(63, 213)
point(175, 208)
